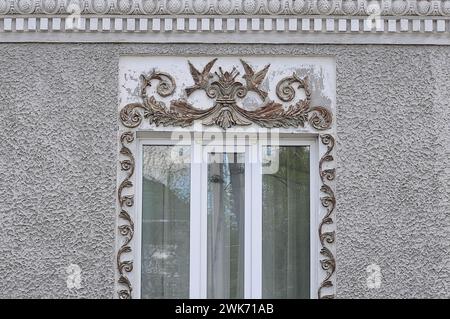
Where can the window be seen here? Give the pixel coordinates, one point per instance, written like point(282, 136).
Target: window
point(208, 221)
point(221, 221)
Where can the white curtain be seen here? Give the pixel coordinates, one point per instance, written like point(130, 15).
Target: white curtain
point(165, 224)
point(286, 226)
point(166, 215)
point(226, 189)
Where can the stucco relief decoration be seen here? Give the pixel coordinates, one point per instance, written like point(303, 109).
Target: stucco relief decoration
point(228, 7)
point(225, 88)
point(328, 201)
point(126, 226)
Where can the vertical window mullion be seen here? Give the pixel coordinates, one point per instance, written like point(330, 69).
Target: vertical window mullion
point(139, 218)
point(314, 207)
point(203, 217)
point(256, 199)
point(195, 283)
point(248, 241)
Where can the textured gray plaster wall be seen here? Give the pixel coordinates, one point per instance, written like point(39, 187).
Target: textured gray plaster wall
point(58, 154)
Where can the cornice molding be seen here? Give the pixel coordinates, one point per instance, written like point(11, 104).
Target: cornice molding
point(422, 22)
point(228, 7)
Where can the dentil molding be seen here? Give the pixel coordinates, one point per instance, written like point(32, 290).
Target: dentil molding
point(425, 22)
point(229, 7)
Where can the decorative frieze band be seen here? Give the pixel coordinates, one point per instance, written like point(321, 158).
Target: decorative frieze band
point(230, 21)
point(229, 7)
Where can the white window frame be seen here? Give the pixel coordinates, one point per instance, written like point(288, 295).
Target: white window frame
point(253, 211)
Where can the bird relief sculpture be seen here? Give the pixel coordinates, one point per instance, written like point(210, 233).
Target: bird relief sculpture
point(226, 88)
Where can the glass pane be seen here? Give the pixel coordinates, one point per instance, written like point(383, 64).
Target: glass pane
point(165, 222)
point(226, 175)
point(286, 259)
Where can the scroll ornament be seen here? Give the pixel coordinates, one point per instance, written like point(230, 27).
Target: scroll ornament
point(327, 238)
point(126, 226)
point(225, 89)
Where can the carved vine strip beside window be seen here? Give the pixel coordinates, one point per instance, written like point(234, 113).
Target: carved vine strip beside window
point(225, 113)
point(328, 201)
point(126, 229)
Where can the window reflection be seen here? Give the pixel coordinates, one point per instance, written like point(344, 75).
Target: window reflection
point(165, 223)
point(226, 189)
point(285, 239)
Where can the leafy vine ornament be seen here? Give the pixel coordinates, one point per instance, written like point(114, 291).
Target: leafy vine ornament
point(328, 264)
point(126, 229)
point(165, 87)
point(225, 88)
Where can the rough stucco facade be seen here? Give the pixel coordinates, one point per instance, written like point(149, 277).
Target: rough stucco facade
point(59, 160)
